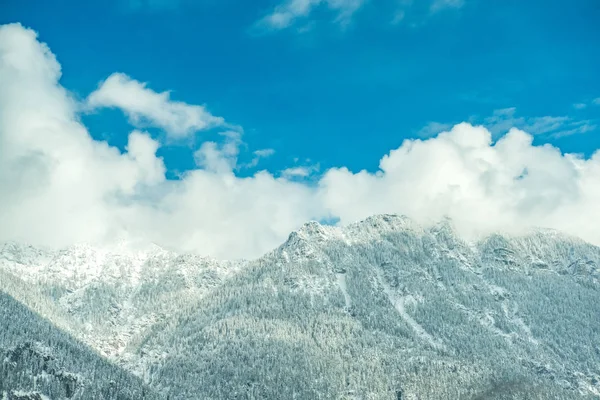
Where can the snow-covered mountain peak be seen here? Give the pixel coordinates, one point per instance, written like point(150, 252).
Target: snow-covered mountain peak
point(387, 289)
point(307, 242)
point(375, 226)
point(447, 236)
point(445, 226)
point(310, 234)
point(23, 254)
point(311, 227)
point(315, 231)
point(126, 246)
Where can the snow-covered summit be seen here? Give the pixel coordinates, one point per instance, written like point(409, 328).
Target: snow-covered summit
point(390, 291)
point(23, 254)
point(378, 225)
point(373, 227)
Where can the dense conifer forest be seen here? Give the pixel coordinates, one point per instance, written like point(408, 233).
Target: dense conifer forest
point(382, 309)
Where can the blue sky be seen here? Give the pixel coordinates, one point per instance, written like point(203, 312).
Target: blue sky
point(217, 127)
point(334, 93)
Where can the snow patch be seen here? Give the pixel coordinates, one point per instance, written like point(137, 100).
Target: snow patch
point(341, 280)
point(400, 303)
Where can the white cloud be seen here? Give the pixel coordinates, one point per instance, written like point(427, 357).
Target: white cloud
point(502, 120)
point(145, 107)
point(285, 14)
point(289, 12)
point(55, 181)
point(579, 106)
point(263, 153)
point(219, 158)
point(59, 186)
point(508, 186)
point(300, 172)
point(432, 129)
point(596, 101)
point(416, 13)
point(259, 155)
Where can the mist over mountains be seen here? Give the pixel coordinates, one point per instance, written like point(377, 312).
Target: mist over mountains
point(380, 309)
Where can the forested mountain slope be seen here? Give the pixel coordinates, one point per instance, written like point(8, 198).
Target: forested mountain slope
point(381, 309)
point(38, 361)
point(108, 298)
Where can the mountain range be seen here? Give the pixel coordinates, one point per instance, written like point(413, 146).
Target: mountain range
point(380, 309)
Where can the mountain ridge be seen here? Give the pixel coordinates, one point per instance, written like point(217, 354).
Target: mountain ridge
point(379, 287)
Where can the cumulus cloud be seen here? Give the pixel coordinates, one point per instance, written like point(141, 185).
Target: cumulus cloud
point(50, 168)
point(509, 185)
point(145, 107)
point(220, 158)
point(58, 186)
